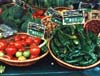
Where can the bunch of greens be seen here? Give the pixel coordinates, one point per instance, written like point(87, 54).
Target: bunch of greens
point(17, 17)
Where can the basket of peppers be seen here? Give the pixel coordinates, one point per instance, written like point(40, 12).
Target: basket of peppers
point(22, 49)
point(75, 47)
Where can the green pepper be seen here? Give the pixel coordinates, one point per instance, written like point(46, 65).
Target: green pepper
point(74, 54)
point(54, 49)
point(76, 41)
point(74, 61)
point(92, 59)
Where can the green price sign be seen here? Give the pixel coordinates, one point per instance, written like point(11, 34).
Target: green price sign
point(36, 29)
point(73, 17)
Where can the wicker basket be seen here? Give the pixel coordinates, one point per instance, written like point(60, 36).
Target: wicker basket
point(94, 27)
point(26, 62)
point(62, 8)
point(67, 65)
point(22, 63)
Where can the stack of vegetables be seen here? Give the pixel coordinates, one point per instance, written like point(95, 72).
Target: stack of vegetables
point(74, 45)
point(21, 47)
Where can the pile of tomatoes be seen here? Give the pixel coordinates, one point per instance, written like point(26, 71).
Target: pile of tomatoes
point(20, 47)
point(38, 14)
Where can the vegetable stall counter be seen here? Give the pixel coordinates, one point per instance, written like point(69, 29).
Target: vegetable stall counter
point(47, 67)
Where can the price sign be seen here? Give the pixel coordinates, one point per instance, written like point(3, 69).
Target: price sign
point(57, 18)
point(73, 17)
point(6, 31)
point(50, 11)
point(36, 29)
point(83, 5)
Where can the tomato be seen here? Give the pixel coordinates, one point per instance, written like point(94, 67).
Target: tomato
point(23, 42)
point(10, 50)
point(1, 11)
point(42, 17)
point(21, 49)
point(23, 36)
point(18, 54)
point(18, 44)
point(34, 15)
point(33, 56)
point(40, 12)
point(17, 38)
point(35, 50)
point(29, 40)
point(14, 58)
point(1, 54)
point(37, 40)
point(32, 45)
point(11, 43)
point(3, 44)
point(26, 53)
point(21, 58)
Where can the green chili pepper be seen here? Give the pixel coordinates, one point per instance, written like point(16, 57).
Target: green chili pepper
point(76, 41)
point(73, 61)
point(54, 48)
point(86, 63)
point(74, 54)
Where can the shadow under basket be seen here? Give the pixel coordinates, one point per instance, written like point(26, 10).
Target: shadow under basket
point(70, 66)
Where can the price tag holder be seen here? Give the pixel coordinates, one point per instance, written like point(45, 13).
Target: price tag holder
point(36, 29)
point(57, 18)
point(50, 11)
point(6, 31)
point(73, 17)
point(83, 5)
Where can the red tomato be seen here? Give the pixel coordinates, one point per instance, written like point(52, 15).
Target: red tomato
point(21, 49)
point(3, 44)
point(42, 17)
point(29, 40)
point(37, 40)
point(1, 11)
point(23, 42)
point(40, 12)
point(35, 50)
point(32, 45)
point(33, 56)
point(18, 44)
point(11, 50)
point(11, 43)
point(34, 15)
point(14, 58)
point(23, 36)
point(17, 38)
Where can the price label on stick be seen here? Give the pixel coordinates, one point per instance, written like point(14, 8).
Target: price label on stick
point(50, 11)
point(36, 29)
point(73, 17)
point(83, 5)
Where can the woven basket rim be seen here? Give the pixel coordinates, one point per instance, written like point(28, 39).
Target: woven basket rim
point(69, 65)
point(90, 21)
point(27, 60)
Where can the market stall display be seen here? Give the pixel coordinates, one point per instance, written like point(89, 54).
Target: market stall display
point(69, 30)
point(22, 50)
